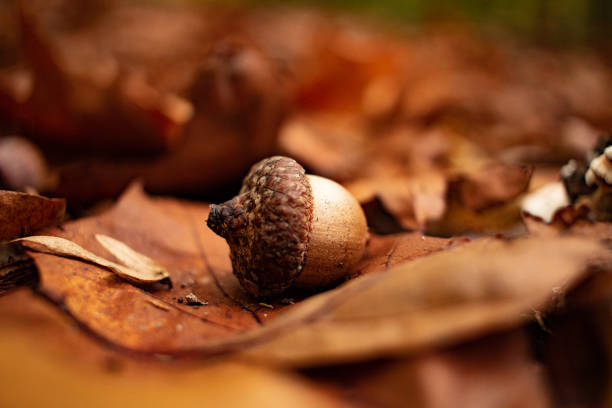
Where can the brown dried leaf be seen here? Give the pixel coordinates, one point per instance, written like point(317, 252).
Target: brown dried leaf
point(384, 252)
point(236, 124)
point(72, 369)
point(140, 269)
point(575, 346)
point(22, 213)
point(443, 298)
point(328, 146)
point(490, 186)
point(458, 220)
point(496, 371)
point(80, 87)
point(188, 109)
point(413, 201)
point(198, 263)
point(447, 297)
point(569, 220)
point(131, 258)
point(128, 316)
point(484, 200)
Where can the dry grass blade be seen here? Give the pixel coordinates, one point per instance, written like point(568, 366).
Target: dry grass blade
point(64, 247)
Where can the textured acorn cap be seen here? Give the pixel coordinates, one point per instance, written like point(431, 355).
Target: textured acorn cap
point(267, 226)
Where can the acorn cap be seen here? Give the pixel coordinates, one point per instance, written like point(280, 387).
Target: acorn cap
point(267, 226)
point(600, 169)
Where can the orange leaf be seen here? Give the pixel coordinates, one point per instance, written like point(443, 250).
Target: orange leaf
point(173, 234)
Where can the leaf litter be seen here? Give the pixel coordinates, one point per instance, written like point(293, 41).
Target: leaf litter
point(139, 269)
point(436, 133)
point(449, 296)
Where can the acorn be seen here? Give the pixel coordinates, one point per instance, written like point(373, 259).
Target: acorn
point(287, 228)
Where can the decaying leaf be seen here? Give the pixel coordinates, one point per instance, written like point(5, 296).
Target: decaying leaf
point(141, 93)
point(490, 186)
point(140, 270)
point(443, 298)
point(22, 213)
point(198, 262)
point(431, 129)
point(453, 295)
point(412, 201)
point(569, 221)
point(496, 371)
point(385, 252)
point(481, 200)
point(43, 350)
point(330, 146)
point(413, 123)
point(137, 261)
point(459, 220)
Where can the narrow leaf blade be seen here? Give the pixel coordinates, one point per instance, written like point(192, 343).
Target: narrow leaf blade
point(63, 247)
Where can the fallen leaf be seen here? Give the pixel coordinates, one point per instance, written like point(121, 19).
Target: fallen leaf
point(43, 350)
point(491, 285)
point(157, 106)
point(90, 92)
point(458, 220)
point(413, 202)
point(490, 186)
point(327, 146)
point(483, 201)
point(198, 263)
point(496, 371)
point(384, 252)
point(402, 114)
point(569, 221)
point(22, 213)
point(123, 314)
point(140, 269)
point(478, 201)
point(576, 350)
point(455, 295)
point(131, 258)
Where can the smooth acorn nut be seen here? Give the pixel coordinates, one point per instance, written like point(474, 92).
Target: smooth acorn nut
point(287, 228)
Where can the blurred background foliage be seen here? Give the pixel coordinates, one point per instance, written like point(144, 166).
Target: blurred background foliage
point(551, 21)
